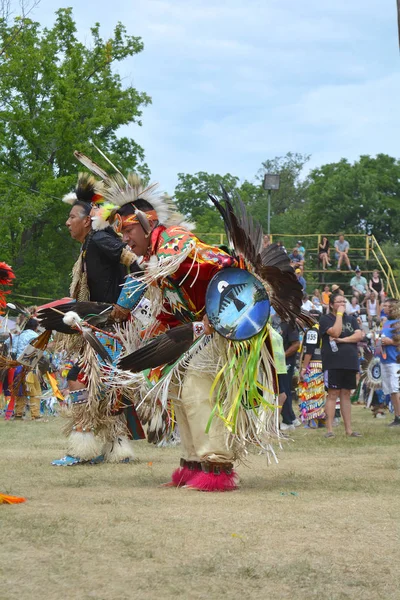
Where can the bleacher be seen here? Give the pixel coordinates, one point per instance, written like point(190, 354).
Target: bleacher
point(365, 252)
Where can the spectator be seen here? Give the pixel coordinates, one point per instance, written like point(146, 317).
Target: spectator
point(300, 248)
point(291, 343)
point(325, 298)
point(307, 304)
point(359, 285)
point(389, 365)
point(266, 241)
point(30, 385)
point(340, 334)
point(301, 280)
point(353, 308)
point(376, 284)
point(280, 244)
point(317, 301)
point(280, 367)
point(323, 253)
point(296, 258)
point(373, 308)
point(342, 247)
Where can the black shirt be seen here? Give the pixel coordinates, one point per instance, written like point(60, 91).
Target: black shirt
point(347, 355)
point(377, 285)
point(289, 335)
point(105, 275)
point(312, 343)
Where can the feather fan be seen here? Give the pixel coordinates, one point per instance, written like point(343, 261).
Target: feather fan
point(95, 313)
point(271, 264)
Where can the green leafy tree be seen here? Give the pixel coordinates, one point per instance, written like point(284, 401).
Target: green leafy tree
point(292, 191)
point(191, 197)
point(357, 198)
point(56, 94)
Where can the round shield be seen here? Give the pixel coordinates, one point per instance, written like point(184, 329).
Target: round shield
point(237, 304)
point(374, 373)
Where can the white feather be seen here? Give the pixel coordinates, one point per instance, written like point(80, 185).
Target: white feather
point(84, 445)
point(98, 224)
point(70, 198)
point(72, 318)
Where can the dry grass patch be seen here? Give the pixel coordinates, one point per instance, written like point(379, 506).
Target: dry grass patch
point(323, 524)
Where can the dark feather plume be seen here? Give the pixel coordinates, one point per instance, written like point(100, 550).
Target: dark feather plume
point(271, 264)
point(164, 349)
point(96, 345)
point(95, 313)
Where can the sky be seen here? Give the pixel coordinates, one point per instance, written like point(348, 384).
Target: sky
point(236, 82)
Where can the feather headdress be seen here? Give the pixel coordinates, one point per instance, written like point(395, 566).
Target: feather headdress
point(87, 190)
point(119, 190)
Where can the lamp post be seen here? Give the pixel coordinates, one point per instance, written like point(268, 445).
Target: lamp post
point(271, 182)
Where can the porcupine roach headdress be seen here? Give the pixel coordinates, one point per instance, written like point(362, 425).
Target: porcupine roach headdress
point(120, 191)
point(6, 279)
point(91, 192)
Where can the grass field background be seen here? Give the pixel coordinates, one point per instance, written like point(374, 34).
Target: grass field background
point(322, 524)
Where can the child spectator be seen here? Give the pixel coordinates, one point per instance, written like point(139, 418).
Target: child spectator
point(317, 301)
point(325, 298)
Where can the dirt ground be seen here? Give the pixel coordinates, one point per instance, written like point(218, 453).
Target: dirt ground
point(322, 524)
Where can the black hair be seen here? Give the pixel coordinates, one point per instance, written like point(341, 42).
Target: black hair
point(32, 324)
point(86, 206)
point(333, 297)
point(140, 204)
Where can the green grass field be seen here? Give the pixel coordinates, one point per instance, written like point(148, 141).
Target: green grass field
point(322, 524)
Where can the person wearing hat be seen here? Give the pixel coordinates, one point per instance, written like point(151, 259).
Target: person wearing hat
point(359, 285)
point(300, 248)
point(296, 258)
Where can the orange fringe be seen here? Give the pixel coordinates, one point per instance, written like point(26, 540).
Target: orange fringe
point(11, 499)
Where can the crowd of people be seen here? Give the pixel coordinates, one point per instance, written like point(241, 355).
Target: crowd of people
point(173, 334)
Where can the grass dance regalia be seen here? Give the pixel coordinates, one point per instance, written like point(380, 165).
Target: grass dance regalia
point(222, 386)
point(96, 431)
point(311, 390)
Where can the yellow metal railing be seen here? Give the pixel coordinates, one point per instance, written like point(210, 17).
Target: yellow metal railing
point(366, 244)
point(377, 252)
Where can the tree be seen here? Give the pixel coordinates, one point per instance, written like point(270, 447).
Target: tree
point(362, 197)
point(292, 191)
point(191, 197)
point(56, 95)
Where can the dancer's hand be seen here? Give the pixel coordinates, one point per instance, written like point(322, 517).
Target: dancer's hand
point(119, 313)
point(208, 328)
